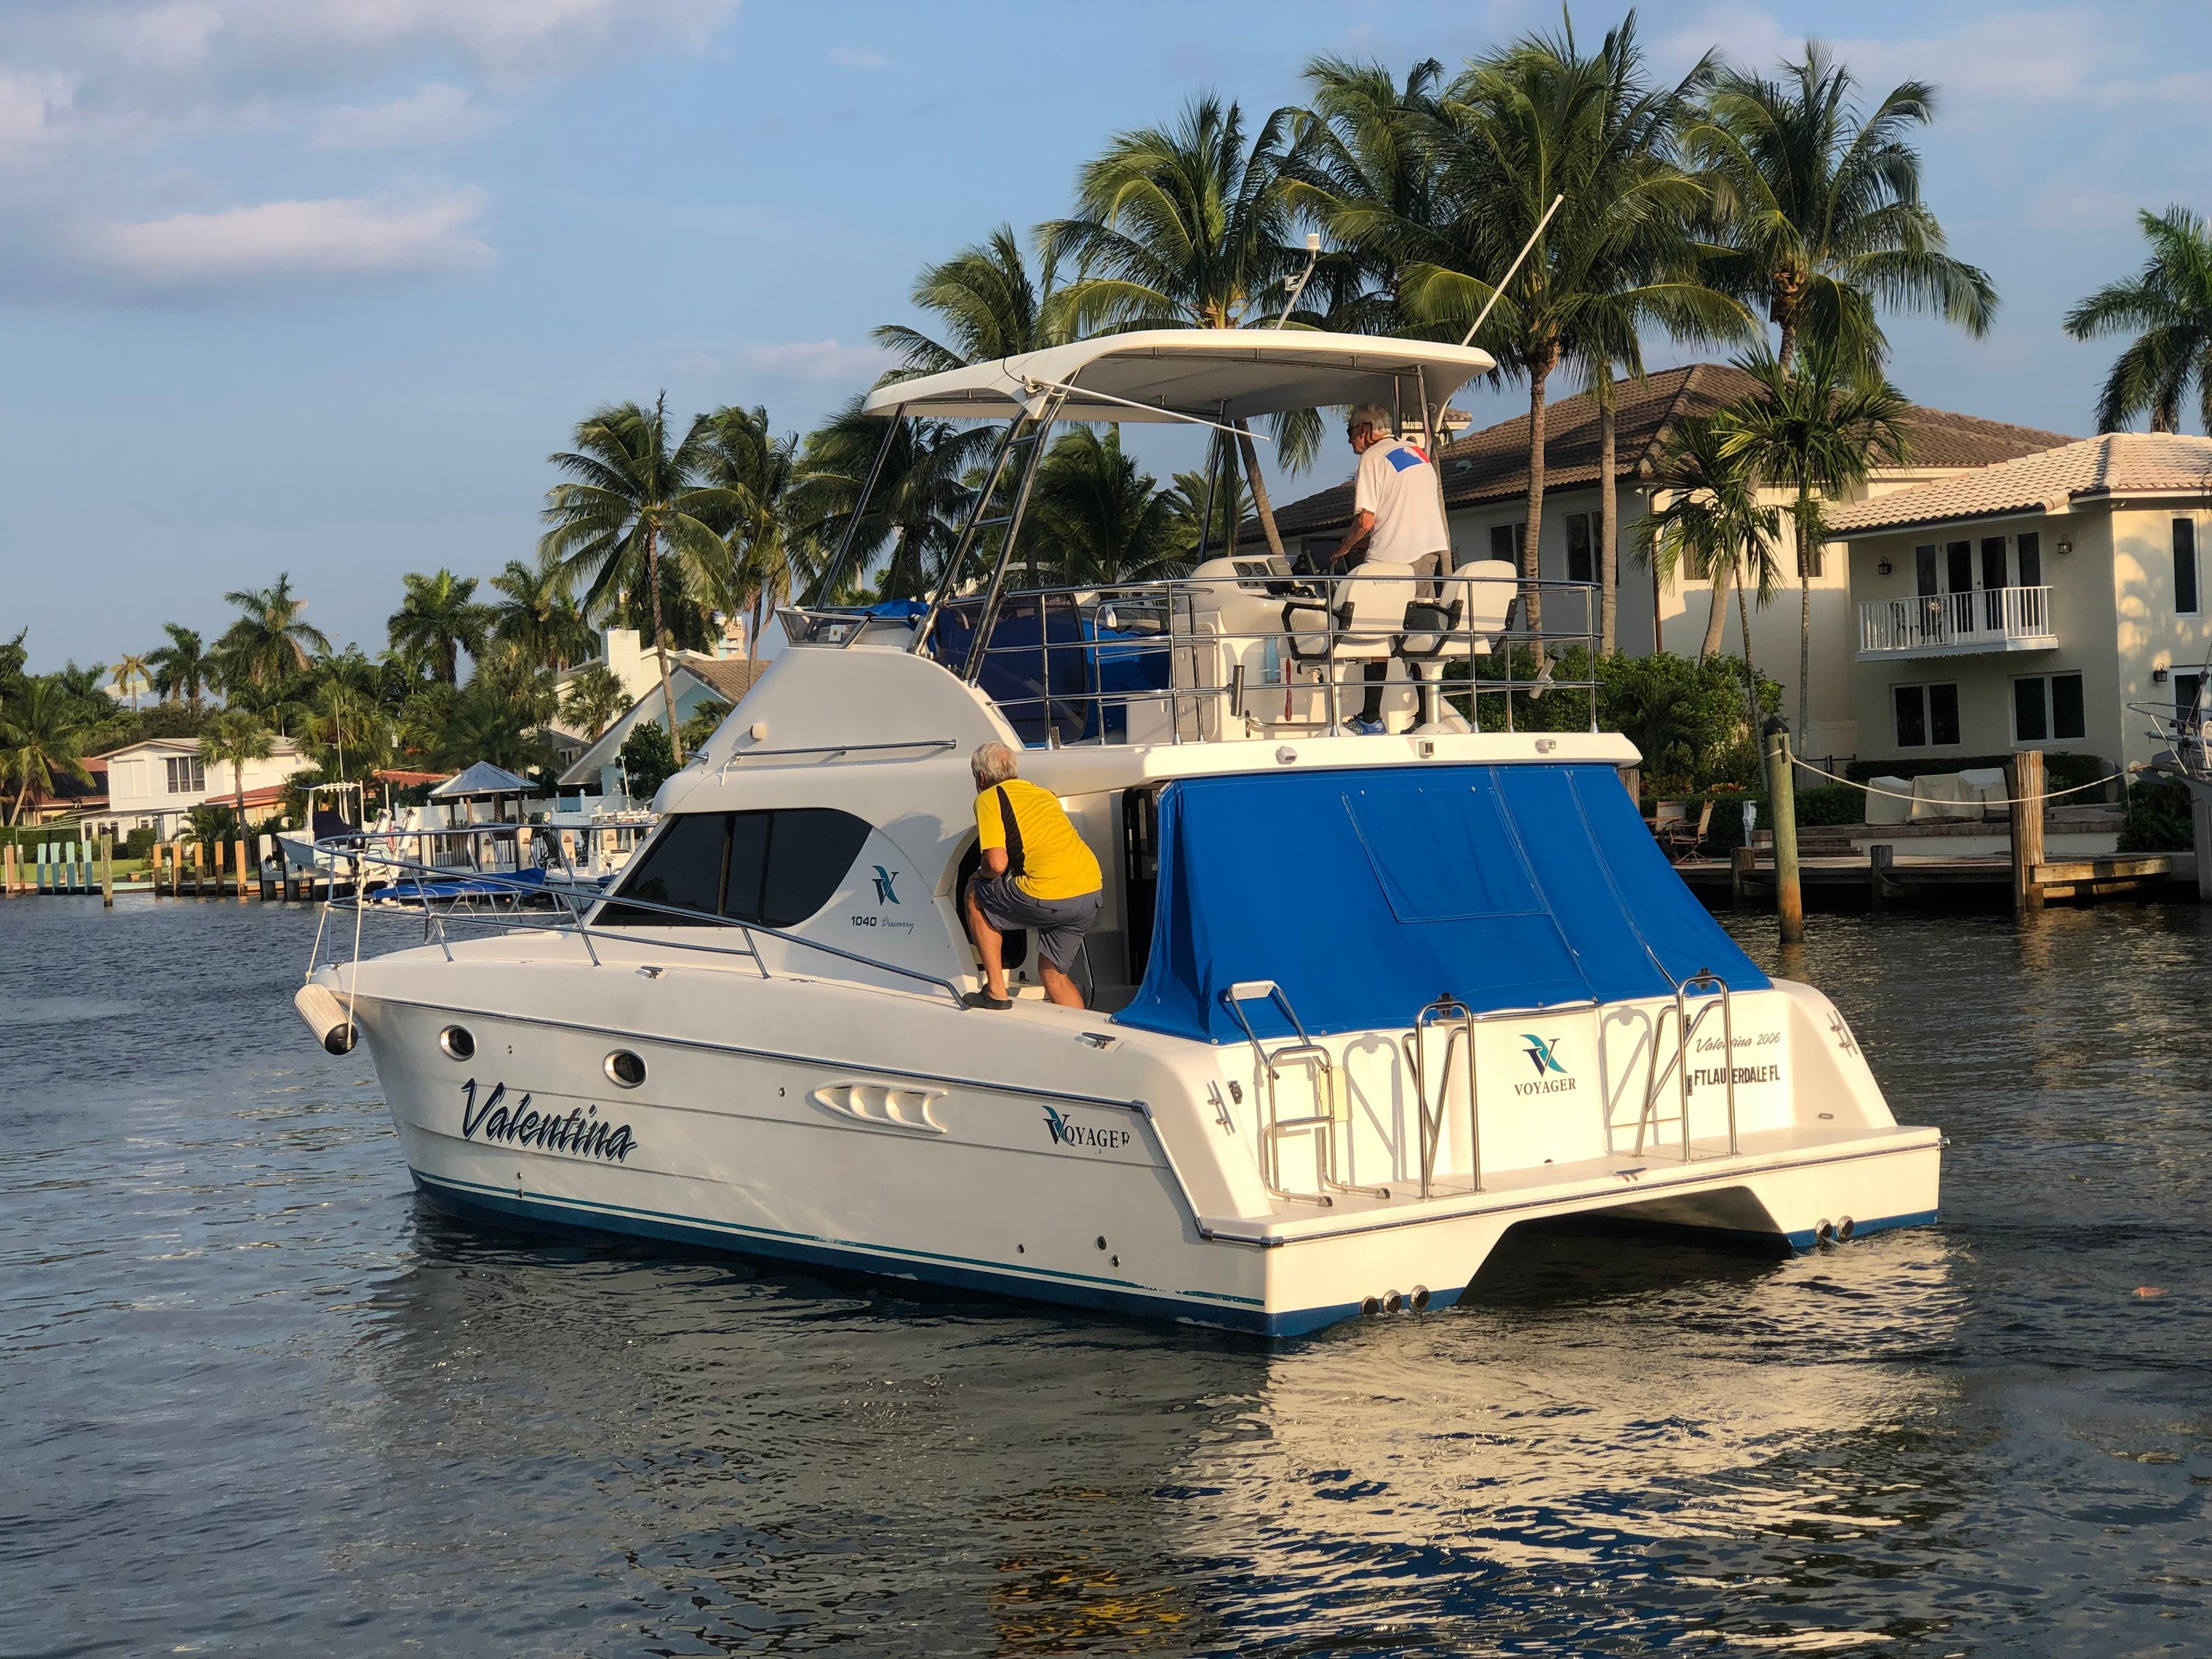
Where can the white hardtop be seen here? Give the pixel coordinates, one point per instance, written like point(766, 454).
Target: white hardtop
point(1173, 373)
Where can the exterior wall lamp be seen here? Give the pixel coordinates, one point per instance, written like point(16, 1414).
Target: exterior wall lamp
point(2065, 545)
point(2158, 677)
point(1884, 567)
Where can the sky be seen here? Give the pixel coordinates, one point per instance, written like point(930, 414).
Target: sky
point(315, 286)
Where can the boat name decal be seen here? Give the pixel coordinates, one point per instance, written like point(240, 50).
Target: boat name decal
point(582, 1133)
point(1552, 1077)
point(1065, 1132)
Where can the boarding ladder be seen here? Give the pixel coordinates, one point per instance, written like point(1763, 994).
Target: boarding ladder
point(1456, 1024)
point(1707, 983)
point(1021, 447)
point(1321, 1124)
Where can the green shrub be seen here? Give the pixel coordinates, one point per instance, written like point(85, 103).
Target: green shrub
point(2157, 817)
point(1831, 803)
point(648, 758)
point(138, 844)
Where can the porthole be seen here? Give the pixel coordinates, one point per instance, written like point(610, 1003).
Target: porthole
point(457, 1042)
point(625, 1068)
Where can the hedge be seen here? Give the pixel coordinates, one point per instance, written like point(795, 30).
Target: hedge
point(2157, 817)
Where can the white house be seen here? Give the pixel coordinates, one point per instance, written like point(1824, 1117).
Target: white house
point(1486, 491)
point(694, 681)
point(2025, 605)
point(625, 655)
point(157, 782)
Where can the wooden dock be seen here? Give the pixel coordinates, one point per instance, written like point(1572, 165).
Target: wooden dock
point(1748, 882)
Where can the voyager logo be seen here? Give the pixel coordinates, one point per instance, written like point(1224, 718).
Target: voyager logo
point(1065, 1132)
point(583, 1133)
point(883, 880)
point(1552, 1077)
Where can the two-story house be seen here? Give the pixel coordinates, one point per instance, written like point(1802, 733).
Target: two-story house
point(1486, 476)
point(2025, 605)
point(157, 782)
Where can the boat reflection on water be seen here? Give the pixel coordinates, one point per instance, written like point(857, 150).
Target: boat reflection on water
point(1664, 1439)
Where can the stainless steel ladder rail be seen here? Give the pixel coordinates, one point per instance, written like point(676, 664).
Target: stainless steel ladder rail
point(1708, 982)
point(1461, 1019)
point(1275, 1128)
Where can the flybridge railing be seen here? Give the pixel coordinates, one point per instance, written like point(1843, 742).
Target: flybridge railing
point(1263, 653)
point(1987, 618)
point(441, 894)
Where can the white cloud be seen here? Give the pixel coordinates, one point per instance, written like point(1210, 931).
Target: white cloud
point(278, 241)
point(858, 58)
point(32, 104)
point(435, 113)
point(821, 360)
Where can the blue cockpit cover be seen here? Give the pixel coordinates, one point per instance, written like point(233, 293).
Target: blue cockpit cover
point(1367, 894)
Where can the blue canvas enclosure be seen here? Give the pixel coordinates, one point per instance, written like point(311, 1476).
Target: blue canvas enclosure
point(1366, 894)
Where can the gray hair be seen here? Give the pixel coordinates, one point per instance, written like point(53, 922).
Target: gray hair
point(1372, 416)
point(993, 763)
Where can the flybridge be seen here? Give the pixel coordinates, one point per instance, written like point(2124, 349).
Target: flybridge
point(1247, 647)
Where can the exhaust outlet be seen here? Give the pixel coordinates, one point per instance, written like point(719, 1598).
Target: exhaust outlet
point(325, 1016)
point(1392, 1301)
point(1845, 1229)
point(1419, 1299)
point(1826, 1232)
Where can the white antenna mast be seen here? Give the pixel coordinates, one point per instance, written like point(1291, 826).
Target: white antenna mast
point(1313, 258)
point(1499, 292)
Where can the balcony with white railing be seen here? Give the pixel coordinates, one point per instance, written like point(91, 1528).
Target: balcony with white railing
point(1956, 624)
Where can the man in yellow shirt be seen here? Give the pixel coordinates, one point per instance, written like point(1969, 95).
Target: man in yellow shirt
point(1036, 874)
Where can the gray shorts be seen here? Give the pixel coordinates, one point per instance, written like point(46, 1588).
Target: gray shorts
point(1059, 924)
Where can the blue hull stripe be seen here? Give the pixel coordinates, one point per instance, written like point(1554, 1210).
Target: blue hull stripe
point(1807, 1238)
point(1234, 1313)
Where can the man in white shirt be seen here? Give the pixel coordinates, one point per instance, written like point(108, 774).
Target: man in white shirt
point(1398, 511)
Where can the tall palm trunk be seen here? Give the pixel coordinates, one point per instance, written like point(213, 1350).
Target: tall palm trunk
point(660, 642)
point(1804, 614)
point(1540, 373)
point(1260, 502)
point(1750, 674)
point(1723, 573)
point(1608, 550)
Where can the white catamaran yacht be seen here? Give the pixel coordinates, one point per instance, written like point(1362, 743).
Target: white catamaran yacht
point(1358, 1003)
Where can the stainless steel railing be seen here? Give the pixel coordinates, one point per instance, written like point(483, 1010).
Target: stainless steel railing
point(1706, 982)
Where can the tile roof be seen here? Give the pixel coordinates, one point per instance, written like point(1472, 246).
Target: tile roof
point(1492, 464)
point(730, 678)
point(2116, 463)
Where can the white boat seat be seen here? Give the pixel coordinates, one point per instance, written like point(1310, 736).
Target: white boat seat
point(1360, 622)
point(1473, 608)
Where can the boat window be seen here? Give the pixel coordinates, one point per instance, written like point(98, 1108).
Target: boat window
point(785, 865)
point(683, 868)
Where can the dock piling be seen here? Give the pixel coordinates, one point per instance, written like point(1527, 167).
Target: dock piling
point(1782, 792)
point(1741, 863)
point(1879, 857)
point(107, 869)
point(2025, 775)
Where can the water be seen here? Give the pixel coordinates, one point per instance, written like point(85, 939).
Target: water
point(257, 1399)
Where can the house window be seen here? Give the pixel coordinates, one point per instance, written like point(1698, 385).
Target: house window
point(1581, 545)
point(2184, 566)
point(1923, 571)
point(1505, 541)
point(187, 775)
point(1927, 715)
point(2047, 708)
point(2187, 688)
point(1993, 581)
point(2029, 548)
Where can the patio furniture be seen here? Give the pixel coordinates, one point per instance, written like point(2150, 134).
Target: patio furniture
point(1677, 837)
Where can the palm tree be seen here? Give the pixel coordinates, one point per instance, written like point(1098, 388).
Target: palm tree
point(41, 730)
point(1707, 519)
point(1098, 517)
point(594, 698)
point(918, 503)
point(628, 494)
point(1815, 429)
point(439, 617)
point(2168, 305)
point(181, 668)
point(267, 647)
point(1359, 158)
point(1188, 527)
point(992, 307)
point(232, 738)
point(130, 678)
point(1185, 227)
point(537, 615)
point(768, 554)
point(346, 715)
point(1818, 208)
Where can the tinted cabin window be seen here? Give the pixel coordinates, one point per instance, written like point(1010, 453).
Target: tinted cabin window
point(683, 867)
point(786, 866)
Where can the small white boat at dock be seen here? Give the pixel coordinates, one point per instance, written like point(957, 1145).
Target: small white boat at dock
point(1359, 1004)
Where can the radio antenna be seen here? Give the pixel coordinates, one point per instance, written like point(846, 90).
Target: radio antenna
point(1499, 293)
